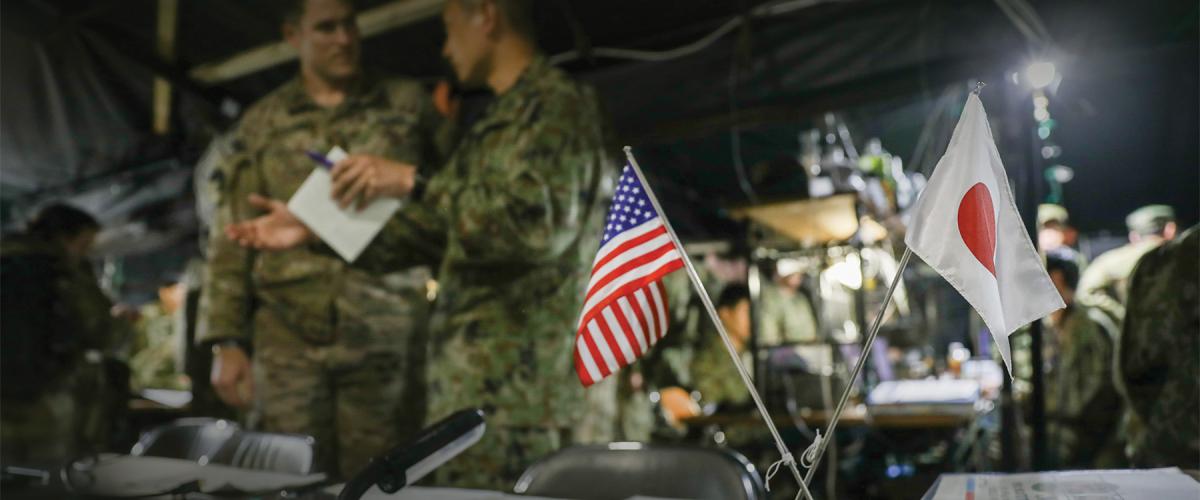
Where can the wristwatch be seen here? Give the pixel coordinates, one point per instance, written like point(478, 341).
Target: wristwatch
point(218, 345)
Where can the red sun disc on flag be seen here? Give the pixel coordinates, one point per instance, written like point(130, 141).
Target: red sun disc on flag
point(977, 225)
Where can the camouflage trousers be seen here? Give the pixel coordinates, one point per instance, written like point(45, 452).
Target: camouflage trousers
point(358, 396)
point(74, 417)
point(499, 458)
point(38, 430)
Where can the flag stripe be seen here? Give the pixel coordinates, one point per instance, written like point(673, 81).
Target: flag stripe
point(657, 234)
point(625, 264)
point(610, 341)
point(611, 245)
point(639, 271)
point(601, 343)
point(660, 306)
point(627, 283)
point(593, 354)
point(583, 357)
point(618, 333)
point(647, 316)
point(635, 324)
point(615, 307)
point(617, 262)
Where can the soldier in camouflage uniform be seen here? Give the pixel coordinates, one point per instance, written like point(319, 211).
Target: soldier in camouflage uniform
point(1082, 406)
point(57, 330)
point(337, 352)
point(712, 372)
point(786, 313)
point(156, 357)
point(1158, 356)
point(1105, 282)
point(518, 208)
point(1055, 231)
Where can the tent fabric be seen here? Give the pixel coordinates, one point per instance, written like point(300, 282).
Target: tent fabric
point(75, 92)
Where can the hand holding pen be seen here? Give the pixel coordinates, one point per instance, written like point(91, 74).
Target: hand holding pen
point(366, 178)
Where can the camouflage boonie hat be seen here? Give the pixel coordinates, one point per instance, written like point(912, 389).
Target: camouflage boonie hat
point(1049, 212)
point(1149, 219)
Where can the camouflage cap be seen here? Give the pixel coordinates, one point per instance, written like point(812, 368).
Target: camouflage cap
point(1149, 219)
point(1049, 212)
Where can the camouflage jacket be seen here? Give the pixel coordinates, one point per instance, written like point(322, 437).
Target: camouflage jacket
point(519, 209)
point(1082, 405)
point(786, 317)
point(715, 375)
point(1158, 356)
point(46, 330)
point(391, 118)
point(156, 358)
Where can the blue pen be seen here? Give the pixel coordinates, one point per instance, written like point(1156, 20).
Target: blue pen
point(320, 158)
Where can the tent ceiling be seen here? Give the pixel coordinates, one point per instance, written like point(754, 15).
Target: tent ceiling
point(76, 104)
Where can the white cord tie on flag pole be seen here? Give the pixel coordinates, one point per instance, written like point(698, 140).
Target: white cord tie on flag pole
point(809, 457)
point(774, 468)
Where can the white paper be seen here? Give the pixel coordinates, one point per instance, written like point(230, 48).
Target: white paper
point(924, 391)
point(346, 231)
point(1153, 484)
point(168, 397)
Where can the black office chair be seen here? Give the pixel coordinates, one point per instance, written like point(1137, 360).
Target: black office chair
point(285, 453)
point(618, 471)
point(197, 439)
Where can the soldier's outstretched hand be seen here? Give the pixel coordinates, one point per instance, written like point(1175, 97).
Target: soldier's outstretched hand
point(278, 229)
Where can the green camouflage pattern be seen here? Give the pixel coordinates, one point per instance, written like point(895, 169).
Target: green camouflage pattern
point(518, 208)
point(1082, 405)
point(322, 330)
point(715, 375)
point(157, 352)
point(786, 316)
point(79, 405)
point(1158, 356)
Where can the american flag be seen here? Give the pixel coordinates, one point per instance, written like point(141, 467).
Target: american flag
point(625, 309)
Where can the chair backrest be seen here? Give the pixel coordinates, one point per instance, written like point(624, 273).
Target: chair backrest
point(285, 453)
point(196, 439)
point(618, 471)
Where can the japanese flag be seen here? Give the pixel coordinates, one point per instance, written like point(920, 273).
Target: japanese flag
point(966, 227)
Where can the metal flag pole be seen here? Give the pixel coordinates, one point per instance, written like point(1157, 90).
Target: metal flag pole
point(812, 456)
point(787, 458)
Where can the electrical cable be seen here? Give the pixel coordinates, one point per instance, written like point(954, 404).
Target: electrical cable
point(704, 42)
point(735, 135)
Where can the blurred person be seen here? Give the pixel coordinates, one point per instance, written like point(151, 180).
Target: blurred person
point(710, 372)
point(1083, 408)
point(713, 373)
point(338, 353)
point(62, 392)
point(787, 313)
point(1105, 282)
point(1158, 356)
point(1054, 228)
point(156, 357)
point(519, 209)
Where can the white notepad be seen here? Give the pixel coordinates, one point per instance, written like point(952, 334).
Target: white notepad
point(347, 231)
